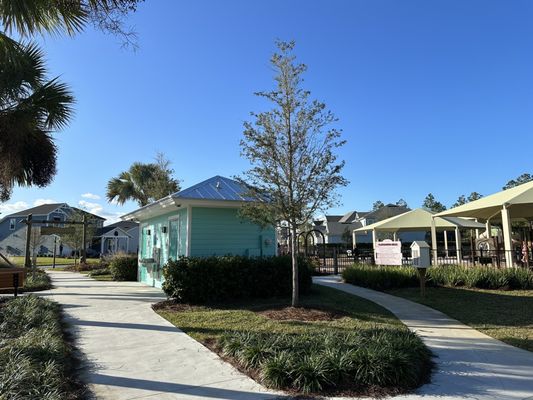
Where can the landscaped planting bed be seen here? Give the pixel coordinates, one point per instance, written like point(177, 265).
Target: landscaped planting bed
point(334, 343)
point(387, 277)
point(35, 357)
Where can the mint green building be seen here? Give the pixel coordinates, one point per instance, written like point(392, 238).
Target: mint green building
point(199, 221)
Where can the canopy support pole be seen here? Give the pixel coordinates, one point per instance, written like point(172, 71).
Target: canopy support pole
point(446, 243)
point(354, 238)
point(488, 229)
point(374, 241)
point(507, 241)
point(394, 236)
point(458, 245)
point(434, 240)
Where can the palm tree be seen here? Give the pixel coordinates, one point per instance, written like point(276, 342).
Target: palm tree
point(143, 183)
point(31, 109)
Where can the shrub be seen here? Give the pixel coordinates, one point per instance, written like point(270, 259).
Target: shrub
point(36, 280)
point(215, 279)
point(381, 277)
point(123, 268)
point(329, 361)
point(99, 272)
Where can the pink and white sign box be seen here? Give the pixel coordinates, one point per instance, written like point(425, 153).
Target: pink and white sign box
point(388, 252)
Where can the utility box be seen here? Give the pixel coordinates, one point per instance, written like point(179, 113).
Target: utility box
point(420, 252)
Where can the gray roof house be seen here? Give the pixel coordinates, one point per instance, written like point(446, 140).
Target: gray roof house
point(13, 229)
point(120, 237)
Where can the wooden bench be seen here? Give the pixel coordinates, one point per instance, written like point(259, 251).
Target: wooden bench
point(12, 278)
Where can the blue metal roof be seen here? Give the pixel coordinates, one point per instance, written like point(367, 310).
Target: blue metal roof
point(215, 188)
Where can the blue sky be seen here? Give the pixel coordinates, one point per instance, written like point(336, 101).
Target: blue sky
point(432, 96)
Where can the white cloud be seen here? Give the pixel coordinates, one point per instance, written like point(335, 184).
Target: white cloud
point(111, 217)
point(91, 196)
point(9, 208)
point(40, 202)
point(93, 208)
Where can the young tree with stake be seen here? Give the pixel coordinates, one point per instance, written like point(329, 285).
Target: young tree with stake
point(291, 149)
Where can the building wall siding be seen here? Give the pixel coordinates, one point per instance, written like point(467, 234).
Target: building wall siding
point(151, 274)
point(220, 231)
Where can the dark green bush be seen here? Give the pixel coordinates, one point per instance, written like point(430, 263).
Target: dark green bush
point(123, 268)
point(331, 361)
point(215, 279)
point(35, 360)
point(383, 277)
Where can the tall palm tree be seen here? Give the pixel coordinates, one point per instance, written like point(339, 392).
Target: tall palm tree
point(143, 183)
point(31, 109)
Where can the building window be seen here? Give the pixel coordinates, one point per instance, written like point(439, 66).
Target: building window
point(12, 223)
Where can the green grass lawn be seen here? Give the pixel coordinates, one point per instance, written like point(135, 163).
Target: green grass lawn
point(19, 260)
point(207, 323)
point(504, 315)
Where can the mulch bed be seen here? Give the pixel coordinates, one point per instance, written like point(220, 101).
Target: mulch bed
point(301, 314)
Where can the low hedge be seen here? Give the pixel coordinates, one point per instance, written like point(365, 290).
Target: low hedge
point(391, 360)
point(35, 360)
point(123, 268)
point(390, 277)
point(222, 279)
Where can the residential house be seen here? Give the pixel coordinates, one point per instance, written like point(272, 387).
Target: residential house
point(200, 221)
point(120, 237)
point(13, 229)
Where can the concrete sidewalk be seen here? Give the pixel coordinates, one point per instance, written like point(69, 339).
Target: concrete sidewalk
point(470, 365)
point(133, 353)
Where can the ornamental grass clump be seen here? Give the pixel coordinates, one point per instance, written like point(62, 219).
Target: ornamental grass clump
point(35, 359)
point(36, 280)
point(389, 360)
point(381, 277)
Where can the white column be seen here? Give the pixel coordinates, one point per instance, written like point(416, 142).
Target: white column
point(434, 240)
point(507, 240)
point(446, 243)
point(394, 236)
point(488, 228)
point(354, 239)
point(477, 230)
point(374, 241)
point(458, 245)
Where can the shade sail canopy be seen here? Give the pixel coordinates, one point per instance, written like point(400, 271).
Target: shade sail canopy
point(419, 220)
point(519, 201)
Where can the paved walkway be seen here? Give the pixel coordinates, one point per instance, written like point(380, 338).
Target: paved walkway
point(470, 365)
point(135, 354)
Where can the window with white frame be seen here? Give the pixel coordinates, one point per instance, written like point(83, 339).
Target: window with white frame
point(12, 223)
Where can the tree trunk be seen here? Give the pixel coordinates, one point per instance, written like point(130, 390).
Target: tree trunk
point(294, 257)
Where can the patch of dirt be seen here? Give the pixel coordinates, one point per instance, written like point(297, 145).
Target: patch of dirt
point(301, 314)
point(172, 305)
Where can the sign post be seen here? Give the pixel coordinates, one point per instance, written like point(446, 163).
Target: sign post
point(27, 258)
point(421, 260)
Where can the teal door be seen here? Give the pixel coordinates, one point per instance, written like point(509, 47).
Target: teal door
point(174, 238)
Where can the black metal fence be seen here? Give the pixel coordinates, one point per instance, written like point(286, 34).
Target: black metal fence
point(333, 260)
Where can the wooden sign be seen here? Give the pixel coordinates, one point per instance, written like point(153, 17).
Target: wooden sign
point(57, 230)
point(11, 278)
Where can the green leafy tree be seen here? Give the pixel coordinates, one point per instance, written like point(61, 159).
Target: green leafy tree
point(432, 204)
point(474, 196)
point(294, 169)
point(377, 205)
point(143, 183)
point(32, 107)
point(524, 178)
point(463, 199)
